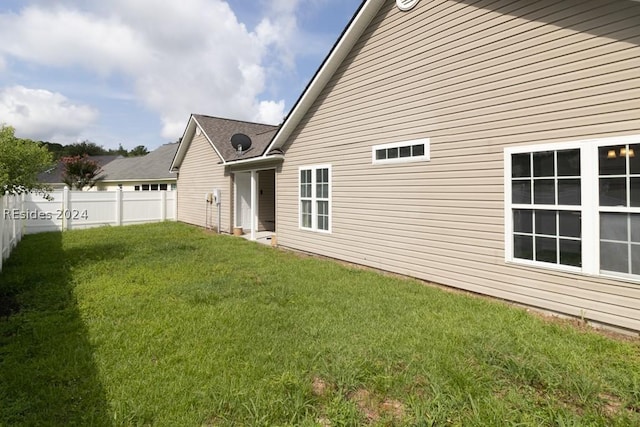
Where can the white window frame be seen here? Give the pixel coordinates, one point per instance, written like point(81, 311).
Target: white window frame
point(590, 204)
point(315, 199)
point(423, 158)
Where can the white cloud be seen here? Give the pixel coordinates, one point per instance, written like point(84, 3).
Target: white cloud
point(180, 56)
point(42, 115)
point(270, 112)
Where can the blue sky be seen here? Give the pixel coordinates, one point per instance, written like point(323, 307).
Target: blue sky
point(131, 71)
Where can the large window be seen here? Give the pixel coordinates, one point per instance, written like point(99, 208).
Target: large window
point(315, 198)
point(619, 191)
point(575, 206)
point(546, 206)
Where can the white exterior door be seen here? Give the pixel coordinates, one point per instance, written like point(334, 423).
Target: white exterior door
point(243, 200)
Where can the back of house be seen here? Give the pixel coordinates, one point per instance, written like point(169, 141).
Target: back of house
point(491, 146)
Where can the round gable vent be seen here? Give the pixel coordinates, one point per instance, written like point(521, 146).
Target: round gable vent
point(406, 4)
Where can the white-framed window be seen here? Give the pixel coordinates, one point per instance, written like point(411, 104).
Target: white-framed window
point(416, 150)
point(152, 187)
point(315, 197)
point(575, 206)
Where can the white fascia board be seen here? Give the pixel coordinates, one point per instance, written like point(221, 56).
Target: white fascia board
point(140, 180)
point(257, 160)
point(339, 52)
point(185, 141)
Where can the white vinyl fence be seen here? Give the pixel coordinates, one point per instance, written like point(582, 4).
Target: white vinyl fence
point(71, 210)
point(11, 226)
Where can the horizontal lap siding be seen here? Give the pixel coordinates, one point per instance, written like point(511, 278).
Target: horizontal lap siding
point(199, 174)
point(474, 77)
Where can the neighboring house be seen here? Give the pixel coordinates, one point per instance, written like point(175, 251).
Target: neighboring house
point(142, 173)
point(53, 176)
point(206, 161)
point(490, 146)
point(150, 172)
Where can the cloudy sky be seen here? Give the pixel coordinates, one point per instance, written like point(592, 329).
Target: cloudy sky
point(131, 71)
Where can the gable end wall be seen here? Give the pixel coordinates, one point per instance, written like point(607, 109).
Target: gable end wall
point(474, 77)
point(200, 172)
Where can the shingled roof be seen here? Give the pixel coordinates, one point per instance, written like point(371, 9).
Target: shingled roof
point(54, 175)
point(219, 131)
point(154, 165)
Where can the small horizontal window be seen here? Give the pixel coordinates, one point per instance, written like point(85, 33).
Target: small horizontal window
point(400, 152)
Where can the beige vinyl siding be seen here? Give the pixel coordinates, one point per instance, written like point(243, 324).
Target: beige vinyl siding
point(200, 172)
point(474, 77)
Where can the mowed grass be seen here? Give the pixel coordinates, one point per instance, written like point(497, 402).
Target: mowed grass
point(168, 325)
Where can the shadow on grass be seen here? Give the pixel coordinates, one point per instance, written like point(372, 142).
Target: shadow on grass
point(48, 375)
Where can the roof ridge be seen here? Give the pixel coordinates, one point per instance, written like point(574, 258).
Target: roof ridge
point(234, 120)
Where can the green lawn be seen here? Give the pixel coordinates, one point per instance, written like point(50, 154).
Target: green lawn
point(169, 325)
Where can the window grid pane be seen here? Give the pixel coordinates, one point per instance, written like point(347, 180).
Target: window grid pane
point(323, 215)
point(548, 236)
point(400, 152)
point(618, 242)
point(546, 180)
point(619, 190)
point(305, 208)
point(314, 198)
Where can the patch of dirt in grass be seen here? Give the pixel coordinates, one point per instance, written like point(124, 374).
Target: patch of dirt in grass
point(319, 386)
point(611, 405)
point(212, 422)
point(373, 408)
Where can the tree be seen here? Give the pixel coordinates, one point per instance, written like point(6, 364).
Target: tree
point(85, 147)
point(139, 150)
point(121, 151)
point(21, 160)
point(54, 148)
point(80, 172)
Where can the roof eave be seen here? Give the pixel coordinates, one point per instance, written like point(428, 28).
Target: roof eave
point(114, 180)
point(257, 160)
point(339, 52)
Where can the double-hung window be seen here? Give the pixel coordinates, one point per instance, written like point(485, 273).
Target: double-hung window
point(315, 198)
point(619, 191)
point(575, 206)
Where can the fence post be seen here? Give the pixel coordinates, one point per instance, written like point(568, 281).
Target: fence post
point(3, 211)
point(20, 226)
point(163, 205)
point(119, 206)
point(175, 205)
point(64, 207)
point(14, 223)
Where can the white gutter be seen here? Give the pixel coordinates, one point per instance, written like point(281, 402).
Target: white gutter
point(339, 52)
point(256, 160)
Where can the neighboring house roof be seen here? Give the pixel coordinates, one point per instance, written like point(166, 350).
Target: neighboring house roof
point(54, 175)
point(154, 165)
point(219, 131)
point(356, 27)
